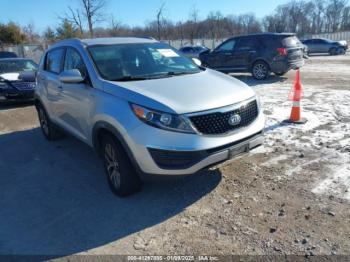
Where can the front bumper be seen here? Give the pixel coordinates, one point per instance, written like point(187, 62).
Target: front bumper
point(162, 152)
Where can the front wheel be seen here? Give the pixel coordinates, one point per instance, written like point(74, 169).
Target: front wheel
point(260, 70)
point(333, 51)
point(121, 174)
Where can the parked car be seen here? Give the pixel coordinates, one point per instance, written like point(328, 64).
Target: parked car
point(325, 46)
point(17, 78)
point(144, 108)
point(259, 54)
point(193, 51)
point(6, 54)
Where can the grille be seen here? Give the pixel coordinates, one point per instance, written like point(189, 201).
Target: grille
point(218, 123)
point(24, 85)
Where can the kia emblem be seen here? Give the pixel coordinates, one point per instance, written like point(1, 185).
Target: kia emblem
point(234, 120)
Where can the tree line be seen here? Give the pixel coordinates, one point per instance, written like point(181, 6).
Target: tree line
point(298, 16)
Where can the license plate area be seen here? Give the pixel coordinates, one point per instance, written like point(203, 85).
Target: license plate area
point(238, 150)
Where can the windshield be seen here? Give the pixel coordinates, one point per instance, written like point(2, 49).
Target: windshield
point(127, 62)
point(12, 66)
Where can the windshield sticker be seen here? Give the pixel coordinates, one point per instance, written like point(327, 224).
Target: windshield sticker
point(167, 53)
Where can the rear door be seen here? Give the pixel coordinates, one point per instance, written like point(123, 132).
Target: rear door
point(244, 52)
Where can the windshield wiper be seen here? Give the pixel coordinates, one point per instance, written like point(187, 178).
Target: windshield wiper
point(173, 73)
point(130, 78)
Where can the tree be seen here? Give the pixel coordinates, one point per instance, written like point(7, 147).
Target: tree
point(73, 16)
point(93, 12)
point(11, 33)
point(31, 36)
point(159, 21)
point(334, 11)
point(49, 35)
point(192, 24)
point(67, 30)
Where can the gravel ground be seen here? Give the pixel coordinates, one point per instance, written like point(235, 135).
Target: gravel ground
point(289, 197)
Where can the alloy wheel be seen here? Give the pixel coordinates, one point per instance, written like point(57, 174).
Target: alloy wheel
point(43, 121)
point(260, 71)
point(112, 165)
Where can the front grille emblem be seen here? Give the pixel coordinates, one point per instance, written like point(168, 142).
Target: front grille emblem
point(234, 120)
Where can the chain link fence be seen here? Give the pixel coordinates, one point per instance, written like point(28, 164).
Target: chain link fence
point(32, 51)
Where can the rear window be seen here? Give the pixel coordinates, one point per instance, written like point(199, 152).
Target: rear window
point(291, 41)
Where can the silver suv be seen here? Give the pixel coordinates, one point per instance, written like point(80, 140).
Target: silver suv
point(145, 108)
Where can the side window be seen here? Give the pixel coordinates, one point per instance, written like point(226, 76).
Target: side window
point(54, 60)
point(228, 46)
point(73, 60)
point(247, 44)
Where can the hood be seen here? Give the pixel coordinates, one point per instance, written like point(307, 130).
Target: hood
point(26, 76)
point(10, 76)
point(184, 94)
point(342, 42)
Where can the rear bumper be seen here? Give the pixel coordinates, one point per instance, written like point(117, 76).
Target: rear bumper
point(284, 66)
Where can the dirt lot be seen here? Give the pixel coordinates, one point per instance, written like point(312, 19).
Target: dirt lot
point(289, 197)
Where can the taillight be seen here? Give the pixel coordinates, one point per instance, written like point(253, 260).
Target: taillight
point(282, 51)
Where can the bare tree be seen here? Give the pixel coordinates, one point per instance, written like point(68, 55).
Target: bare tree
point(93, 12)
point(192, 24)
point(159, 20)
point(31, 34)
point(334, 11)
point(73, 16)
point(115, 26)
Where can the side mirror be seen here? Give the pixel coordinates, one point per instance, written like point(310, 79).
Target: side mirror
point(197, 61)
point(72, 76)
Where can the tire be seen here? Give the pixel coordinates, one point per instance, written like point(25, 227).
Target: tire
point(260, 70)
point(122, 177)
point(50, 131)
point(341, 51)
point(333, 51)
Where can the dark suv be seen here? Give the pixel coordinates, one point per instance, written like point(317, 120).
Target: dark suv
point(259, 54)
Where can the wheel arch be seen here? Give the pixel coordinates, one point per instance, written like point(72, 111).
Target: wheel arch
point(257, 60)
point(102, 128)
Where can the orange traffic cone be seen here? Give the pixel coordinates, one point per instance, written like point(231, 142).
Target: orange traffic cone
point(295, 115)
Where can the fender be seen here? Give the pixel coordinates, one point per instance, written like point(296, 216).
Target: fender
point(102, 125)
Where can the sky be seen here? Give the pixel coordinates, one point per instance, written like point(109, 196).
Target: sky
point(44, 13)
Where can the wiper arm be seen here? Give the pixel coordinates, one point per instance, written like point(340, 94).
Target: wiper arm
point(172, 73)
point(130, 78)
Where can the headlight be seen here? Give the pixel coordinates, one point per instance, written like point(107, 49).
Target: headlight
point(162, 120)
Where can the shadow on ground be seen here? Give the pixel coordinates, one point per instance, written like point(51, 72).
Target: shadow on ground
point(55, 200)
point(251, 81)
point(6, 104)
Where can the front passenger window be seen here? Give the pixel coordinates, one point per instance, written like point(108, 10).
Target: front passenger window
point(74, 61)
point(53, 61)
